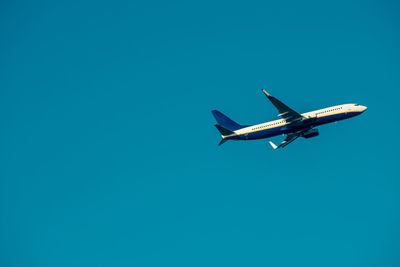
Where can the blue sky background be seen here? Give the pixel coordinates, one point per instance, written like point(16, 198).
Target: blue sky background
point(109, 156)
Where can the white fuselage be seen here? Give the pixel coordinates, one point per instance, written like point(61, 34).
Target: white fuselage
point(316, 117)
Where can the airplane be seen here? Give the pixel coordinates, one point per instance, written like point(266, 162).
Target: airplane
point(292, 124)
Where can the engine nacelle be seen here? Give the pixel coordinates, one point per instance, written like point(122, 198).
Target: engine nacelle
point(310, 133)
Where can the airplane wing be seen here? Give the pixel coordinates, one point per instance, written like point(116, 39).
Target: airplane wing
point(288, 114)
point(289, 138)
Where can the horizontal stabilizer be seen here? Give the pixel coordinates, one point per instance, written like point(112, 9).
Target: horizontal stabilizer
point(223, 140)
point(223, 130)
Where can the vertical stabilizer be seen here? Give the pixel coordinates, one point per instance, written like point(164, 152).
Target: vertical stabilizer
point(225, 122)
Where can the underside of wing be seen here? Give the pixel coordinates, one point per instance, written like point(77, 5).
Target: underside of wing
point(288, 114)
point(289, 138)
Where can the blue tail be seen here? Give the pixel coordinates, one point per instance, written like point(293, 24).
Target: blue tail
point(225, 122)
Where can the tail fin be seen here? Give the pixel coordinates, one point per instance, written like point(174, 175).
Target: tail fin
point(225, 122)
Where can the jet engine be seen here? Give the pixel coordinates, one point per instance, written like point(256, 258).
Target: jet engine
point(310, 133)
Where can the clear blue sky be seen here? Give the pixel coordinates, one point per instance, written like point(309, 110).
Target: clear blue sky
point(109, 156)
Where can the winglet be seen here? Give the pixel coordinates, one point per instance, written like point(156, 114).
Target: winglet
point(273, 145)
point(265, 92)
